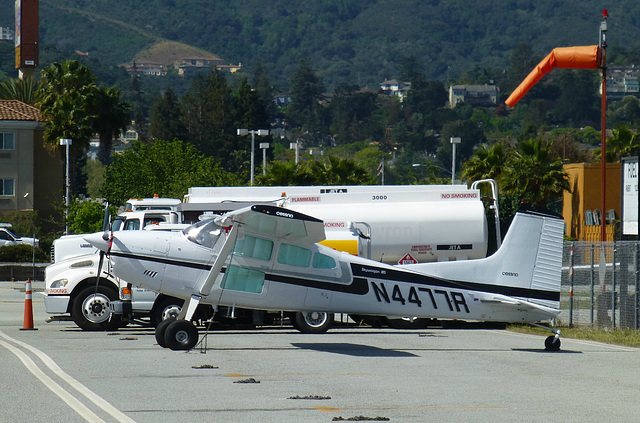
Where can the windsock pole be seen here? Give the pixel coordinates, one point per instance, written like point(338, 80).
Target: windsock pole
point(28, 308)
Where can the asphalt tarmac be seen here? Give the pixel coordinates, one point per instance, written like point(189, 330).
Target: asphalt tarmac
point(59, 373)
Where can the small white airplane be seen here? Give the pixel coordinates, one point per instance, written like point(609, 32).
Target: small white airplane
point(267, 258)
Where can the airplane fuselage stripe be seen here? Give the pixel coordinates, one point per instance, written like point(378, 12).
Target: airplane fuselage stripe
point(359, 285)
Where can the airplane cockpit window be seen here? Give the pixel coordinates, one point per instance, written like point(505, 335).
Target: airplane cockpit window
point(131, 225)
point(322, 261)
point(205, 233)
point(250, 246)
point(294, 255)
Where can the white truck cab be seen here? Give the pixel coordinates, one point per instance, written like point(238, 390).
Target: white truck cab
point(73, 289)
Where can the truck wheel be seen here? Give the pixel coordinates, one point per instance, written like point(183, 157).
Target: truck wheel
point(312, 321)
point(167, 307)
point(91, 311)
point(181, 335)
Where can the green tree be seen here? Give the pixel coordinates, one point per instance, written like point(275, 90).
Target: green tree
point(285, 174)
point(622, 144)
point(165, 122)
point(337, 171)
point(523, 60)
point(306, 93)
point(579, 102)
point(111, 119)
point(250, 109)
point(166, 168)
point(532, 175)
point(208, 115)
point(86, 217)
point(485, 163)
point(23, 90)
point(265, 89)
point(66, 99)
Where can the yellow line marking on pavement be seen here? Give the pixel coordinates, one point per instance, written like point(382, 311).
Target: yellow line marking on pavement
point(325, 409)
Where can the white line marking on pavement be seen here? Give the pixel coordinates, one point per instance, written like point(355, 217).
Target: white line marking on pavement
point(48, 361)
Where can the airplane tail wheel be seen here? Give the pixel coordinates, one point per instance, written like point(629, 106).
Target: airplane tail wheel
point(161, 329)
point(312, 321)
point(552, 343)
point(181, 335)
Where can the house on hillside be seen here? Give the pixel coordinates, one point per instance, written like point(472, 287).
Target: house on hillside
point(146, 68)
point(621, 81)
point(197, 64)
point(31, 176)
point(395, 88)
point(476, 95)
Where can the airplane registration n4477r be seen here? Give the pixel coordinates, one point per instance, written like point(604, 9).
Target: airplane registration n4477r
point(266, 258)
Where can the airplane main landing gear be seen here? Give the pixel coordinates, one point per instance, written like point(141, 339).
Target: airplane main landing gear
point(177, 334)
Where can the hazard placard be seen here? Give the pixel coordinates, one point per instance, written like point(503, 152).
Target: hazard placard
point(407, 259)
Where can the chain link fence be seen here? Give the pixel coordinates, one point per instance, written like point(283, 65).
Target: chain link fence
point(600, 285)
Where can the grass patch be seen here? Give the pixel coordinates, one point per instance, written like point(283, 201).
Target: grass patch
point(627, 337)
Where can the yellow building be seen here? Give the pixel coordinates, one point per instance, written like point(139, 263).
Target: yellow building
point(581, 207)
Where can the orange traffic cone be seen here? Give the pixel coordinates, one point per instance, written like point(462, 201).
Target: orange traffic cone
point(28, 308)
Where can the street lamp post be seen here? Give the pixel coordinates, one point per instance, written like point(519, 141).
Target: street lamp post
point(454, 142)
point(263, 147)
point(295, 146)
point(67, 143)
point(259, 132)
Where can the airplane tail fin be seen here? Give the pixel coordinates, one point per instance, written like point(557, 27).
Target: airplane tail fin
point(527, 265)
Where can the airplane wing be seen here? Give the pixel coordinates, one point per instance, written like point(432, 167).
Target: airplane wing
point(275, 222)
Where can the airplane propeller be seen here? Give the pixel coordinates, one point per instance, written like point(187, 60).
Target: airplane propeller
point(95, 302)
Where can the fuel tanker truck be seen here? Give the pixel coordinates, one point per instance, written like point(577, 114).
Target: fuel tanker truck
point(397, 224)
point(394, 224)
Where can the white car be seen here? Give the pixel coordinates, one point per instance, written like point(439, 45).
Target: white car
point(9, 238)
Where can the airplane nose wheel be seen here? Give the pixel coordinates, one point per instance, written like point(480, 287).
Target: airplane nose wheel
point(178, 335)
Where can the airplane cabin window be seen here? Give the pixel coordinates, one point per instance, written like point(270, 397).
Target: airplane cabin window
point(250, 246)
point(245, 280)
point(321, 261)
point(294, 255)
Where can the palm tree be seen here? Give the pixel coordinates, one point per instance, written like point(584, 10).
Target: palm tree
point(284, 174)
point(23, 90)
point(485, 163)
point(622, 144)
point(336, 171)
point(65, 99)
point(531, 174)
point(111, 118)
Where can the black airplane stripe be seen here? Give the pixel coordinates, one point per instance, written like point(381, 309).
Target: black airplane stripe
point(359, 285)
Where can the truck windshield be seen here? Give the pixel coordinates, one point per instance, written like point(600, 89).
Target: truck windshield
point(205, 233)
point(117, 224)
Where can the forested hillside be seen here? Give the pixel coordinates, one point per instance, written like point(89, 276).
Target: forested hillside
point(353, 41)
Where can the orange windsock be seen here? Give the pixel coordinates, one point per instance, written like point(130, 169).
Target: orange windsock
point(583, 57)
